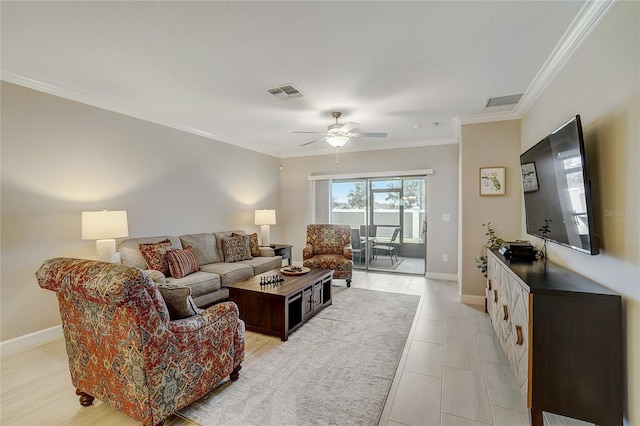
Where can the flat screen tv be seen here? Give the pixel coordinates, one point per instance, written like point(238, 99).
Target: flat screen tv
point(557, 189)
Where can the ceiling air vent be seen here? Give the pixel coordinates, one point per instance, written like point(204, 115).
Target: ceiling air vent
point(503, 100)
point(285, 92)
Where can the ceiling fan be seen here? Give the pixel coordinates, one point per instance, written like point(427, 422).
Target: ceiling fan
point(339, 134)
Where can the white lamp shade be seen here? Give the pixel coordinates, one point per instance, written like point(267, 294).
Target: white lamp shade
point(265, 217)
point(104, 224)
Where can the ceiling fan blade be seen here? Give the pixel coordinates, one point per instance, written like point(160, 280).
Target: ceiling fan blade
point(313, 141)
point(316, 133)
point(347, 127)
point(368, 135)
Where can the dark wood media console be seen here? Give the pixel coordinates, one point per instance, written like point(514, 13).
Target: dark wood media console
point(562, 334)
point(279, 310)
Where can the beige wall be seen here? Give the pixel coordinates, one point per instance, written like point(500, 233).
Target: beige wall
point(601, 82)
point(441, 193)
point(486, 145)
point(61, 157)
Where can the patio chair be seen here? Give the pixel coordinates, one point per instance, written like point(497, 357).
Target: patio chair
point(357, 246)
point(373, 229)
point(390, 248)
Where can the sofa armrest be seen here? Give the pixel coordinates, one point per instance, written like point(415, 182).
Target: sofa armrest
point(156, 276)
point(205, 318)
point(267, 252)
point(307, 252)
point(347, 251)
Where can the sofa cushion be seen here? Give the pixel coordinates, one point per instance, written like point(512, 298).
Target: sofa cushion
point(225, 234)
point(155, 254)
point(263, 264)
point(199, 282)
point(204, 246)
point(130, 251)
point(178, 300)
point(236, 248)
point(209, 299)
point(253, 243)
point(229, 272)
point(182, 262)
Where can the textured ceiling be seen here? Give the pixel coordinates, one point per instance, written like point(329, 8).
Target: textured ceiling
point(395, 67)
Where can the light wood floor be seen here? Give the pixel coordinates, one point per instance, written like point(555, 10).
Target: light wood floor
point(35, 388)
point(452, 371)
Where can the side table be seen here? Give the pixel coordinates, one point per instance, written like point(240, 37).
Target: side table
point(283, 250)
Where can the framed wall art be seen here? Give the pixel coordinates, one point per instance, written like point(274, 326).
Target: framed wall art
point(529, 177)
point(492, 181)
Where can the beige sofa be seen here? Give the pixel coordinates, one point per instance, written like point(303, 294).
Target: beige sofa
point(208, 285)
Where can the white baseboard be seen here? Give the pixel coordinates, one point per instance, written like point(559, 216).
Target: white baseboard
point(470, 299)
point(33, 339)
point(441, 276)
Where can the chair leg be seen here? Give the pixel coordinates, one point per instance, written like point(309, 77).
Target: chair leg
point(235, 374)
point(85, 399)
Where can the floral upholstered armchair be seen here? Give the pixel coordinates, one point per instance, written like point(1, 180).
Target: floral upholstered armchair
point(329, 247)
point(123, 348)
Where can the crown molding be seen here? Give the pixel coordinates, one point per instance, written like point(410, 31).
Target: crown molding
point(23, 80)
point(85, 98)
point(487, 117)
point(77, 96)
point(587, 19)
point(400, 145)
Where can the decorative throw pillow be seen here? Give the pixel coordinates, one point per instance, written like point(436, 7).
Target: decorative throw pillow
point(236, 248)
point(179, 301)
point(155, 255)
point(253, 244)
point(182, 262)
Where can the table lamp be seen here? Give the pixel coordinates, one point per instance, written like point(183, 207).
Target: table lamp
point(264, 218)
point(104, 226)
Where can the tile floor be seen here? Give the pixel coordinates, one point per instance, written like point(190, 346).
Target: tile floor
point(452, 371)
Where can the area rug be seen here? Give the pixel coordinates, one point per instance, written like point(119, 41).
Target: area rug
point(336, 369)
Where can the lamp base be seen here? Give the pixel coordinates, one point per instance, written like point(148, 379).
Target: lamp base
point(106, 250)
point(265, 235)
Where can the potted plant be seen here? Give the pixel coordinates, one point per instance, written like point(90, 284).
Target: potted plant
point(493, 243)
point(544, 230)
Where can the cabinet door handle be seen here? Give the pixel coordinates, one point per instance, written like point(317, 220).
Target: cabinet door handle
point(520, 340)
point(506, 312)
point(495, 296)
point(489, 283)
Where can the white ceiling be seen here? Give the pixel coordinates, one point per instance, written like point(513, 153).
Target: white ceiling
point(204, 67)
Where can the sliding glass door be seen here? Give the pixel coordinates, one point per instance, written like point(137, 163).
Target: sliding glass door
point(387, 217)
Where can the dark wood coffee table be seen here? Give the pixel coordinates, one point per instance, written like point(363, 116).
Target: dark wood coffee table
point(279, 310)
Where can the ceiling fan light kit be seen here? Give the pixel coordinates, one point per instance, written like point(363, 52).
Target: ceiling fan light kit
point(337, 134)
point(337, 141)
